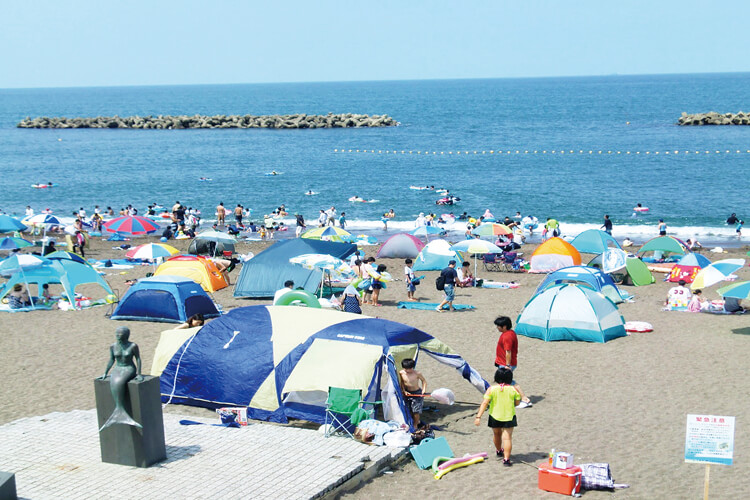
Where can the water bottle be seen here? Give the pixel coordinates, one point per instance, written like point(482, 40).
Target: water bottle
point(551, 457)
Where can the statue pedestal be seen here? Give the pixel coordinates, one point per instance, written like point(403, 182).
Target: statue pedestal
point(7, 486)
point(124, 444)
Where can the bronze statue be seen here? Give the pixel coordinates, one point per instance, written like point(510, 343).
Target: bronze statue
point(123, 352)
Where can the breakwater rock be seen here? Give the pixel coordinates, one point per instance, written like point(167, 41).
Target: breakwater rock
point(330, 120)
point(714, 118)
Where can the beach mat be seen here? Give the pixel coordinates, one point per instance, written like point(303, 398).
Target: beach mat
point(426, 306)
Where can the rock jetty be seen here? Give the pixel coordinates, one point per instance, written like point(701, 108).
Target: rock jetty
point(330, 120)
point(714, 118)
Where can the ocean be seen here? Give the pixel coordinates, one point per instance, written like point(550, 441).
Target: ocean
point(569, 148)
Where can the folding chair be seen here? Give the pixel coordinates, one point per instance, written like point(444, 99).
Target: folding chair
point(344, 409)
point(491, 261)
point(511, 262)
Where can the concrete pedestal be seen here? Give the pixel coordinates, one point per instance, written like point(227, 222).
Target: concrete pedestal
point(125, 444)
point(8, 486)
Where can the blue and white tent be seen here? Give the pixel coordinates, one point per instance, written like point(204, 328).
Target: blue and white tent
point(279, 362)
point(584, 275)
point(435, 256)
point(571, 312)
point(165, 298)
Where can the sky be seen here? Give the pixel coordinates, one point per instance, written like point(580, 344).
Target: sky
point(53, 43)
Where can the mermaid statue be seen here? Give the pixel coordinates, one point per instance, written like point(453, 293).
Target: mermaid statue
point(122, 355)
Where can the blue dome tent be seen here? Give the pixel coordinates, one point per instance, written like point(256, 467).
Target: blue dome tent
point(279, 362)
point(584, 275)
point(594, 241)
point(165, 298)
point(571, 312)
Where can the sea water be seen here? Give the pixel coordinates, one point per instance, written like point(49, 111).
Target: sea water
point(569, 148)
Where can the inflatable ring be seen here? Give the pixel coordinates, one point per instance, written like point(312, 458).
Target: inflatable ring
point(472, 221)
point(638, 326)
point(641, 209)
point(303, 296)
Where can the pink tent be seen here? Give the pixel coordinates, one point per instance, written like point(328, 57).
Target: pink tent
point(401, 246)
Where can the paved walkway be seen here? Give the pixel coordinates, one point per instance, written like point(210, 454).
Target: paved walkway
point(57, 456)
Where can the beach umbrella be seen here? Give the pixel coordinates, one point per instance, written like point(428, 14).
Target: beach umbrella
point(63, 255)
point(9, 224)
point(332, 232)
point(18, 262)
point(333, 266)
point(44, 220)
point(151, 251)
point(12, 243)
point(716, 272)
point(492, 229)
point(740, 290)
point(216, 236)
point(131, 224)
point(476, 246)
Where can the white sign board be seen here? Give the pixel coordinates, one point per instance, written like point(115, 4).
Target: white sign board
point(709, 439)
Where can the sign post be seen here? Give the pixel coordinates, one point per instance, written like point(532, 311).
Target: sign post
point(709, 439)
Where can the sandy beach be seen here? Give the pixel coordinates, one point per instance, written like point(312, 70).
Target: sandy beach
point(624, 402)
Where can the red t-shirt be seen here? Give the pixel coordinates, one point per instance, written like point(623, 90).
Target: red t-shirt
point(507, 342)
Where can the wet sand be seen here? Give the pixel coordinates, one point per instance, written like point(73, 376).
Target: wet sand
point(624, 402)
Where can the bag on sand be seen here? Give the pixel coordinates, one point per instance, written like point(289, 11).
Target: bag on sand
point(440, 282)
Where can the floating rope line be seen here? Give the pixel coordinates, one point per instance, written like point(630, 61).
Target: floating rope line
point(540, 152)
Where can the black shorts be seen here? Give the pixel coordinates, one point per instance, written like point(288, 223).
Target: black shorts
point(376, 285)
point(495, 424)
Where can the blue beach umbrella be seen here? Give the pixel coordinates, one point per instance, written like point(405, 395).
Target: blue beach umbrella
point(63, 255)
point(11, 243)
point(739, 290)
point(9, 224)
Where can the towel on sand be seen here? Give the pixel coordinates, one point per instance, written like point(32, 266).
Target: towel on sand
point(430, 305)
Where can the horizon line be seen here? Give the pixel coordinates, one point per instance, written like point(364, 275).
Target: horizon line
point(608, 75)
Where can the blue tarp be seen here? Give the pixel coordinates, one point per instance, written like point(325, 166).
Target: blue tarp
point(265, 273)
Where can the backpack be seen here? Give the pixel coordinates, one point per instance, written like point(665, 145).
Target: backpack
point(440, 282)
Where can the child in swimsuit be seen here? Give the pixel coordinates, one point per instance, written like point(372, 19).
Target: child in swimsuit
point(410, 380)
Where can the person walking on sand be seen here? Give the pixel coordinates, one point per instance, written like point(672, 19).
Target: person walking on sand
point(506, 353)
point(450, 275)
point(221, 213)
point(411, 281)
point(502, 399)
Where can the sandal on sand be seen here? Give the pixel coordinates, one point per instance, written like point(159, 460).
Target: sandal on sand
point(499, 453)
point(507, 463)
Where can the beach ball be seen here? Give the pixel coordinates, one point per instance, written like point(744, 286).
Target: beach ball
point(110, 299)
point(163, 239)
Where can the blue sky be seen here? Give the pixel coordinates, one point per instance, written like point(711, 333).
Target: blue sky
point(155, 42)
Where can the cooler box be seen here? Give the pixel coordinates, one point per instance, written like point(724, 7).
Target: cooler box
point(565, 481)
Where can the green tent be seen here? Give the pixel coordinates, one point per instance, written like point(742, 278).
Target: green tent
point(638, 272)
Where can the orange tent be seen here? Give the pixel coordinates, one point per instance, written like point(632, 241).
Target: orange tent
point(554, 254)
point(199, 269)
